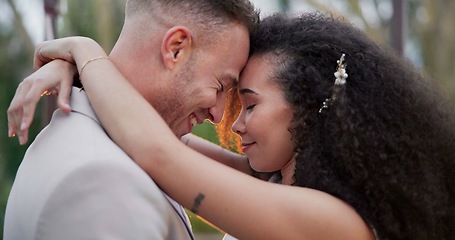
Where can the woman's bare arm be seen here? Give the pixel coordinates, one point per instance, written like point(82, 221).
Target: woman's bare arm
point(217, 153)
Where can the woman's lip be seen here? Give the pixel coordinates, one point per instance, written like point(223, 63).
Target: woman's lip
point(246, 146)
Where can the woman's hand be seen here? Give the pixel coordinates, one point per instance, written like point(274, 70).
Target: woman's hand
point(52, 76)
point(71, 49)
point(56, 77)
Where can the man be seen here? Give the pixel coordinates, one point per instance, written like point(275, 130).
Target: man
point(75, 183)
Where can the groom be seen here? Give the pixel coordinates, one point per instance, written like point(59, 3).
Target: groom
point(75, 183)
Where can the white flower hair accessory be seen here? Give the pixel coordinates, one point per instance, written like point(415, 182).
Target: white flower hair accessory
point(340, 80)
point(340, 74)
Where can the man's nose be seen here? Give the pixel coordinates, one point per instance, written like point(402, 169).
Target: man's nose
point(216, 111)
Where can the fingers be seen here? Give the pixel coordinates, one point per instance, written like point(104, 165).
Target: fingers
point(29, 102)
point(11, 129)
point(12, 114)
point(15, 112)
point(65, 88)
point(63, 98)
point(56, 78)
point(22, 110)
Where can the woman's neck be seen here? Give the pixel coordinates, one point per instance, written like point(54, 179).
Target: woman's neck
point(287, 172)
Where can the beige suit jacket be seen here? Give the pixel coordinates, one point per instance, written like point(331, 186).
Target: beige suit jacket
point(75, 183)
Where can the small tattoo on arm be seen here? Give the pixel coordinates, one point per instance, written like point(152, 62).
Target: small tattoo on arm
point(197, 202)
point(187, 141)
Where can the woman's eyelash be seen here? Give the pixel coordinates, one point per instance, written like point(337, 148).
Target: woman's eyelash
point(250, 107)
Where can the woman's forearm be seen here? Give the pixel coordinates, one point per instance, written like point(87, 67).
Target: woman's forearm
point(217, 153)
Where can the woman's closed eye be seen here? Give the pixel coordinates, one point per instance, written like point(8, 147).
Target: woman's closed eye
point(250, 107)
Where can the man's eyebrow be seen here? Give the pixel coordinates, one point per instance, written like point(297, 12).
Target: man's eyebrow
point(244, 91)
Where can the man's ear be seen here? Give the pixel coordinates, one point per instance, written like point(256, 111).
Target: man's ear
point(176, 46)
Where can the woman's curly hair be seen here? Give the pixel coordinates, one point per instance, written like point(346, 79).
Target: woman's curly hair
point(386, 145)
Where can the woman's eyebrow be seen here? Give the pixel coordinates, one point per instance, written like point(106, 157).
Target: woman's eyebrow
point(244, 91)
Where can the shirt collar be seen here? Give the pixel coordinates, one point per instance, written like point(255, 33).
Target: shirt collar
point(79, 103)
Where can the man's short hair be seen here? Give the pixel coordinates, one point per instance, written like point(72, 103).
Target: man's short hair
point(206, 15)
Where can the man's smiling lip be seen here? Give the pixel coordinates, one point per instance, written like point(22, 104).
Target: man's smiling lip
point(193, 121)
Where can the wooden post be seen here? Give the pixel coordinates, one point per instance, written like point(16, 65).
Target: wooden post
point(399, 26)
point(51, 14)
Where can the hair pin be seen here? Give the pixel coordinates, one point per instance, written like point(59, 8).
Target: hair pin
point(340, 80)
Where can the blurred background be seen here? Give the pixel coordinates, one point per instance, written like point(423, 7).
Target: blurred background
point(420, 30)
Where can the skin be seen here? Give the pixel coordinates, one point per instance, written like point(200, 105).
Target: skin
point(302, 214)
point(264, 121)
point(185, 85)
point(190, 81)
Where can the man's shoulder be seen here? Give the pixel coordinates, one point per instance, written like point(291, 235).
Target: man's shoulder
point(118, 178)
point(79, 162)
point(102, 194)
point(72, 140)
point(69, 156)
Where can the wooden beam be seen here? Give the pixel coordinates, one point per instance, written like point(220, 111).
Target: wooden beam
point(399, 26)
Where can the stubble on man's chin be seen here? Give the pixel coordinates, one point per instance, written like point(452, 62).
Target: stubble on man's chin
point(173, 102)
point(171, 107)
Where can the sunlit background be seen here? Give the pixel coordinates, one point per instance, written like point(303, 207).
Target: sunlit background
point(422, 31)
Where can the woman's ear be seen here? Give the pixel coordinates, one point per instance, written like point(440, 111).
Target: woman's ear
point(176, 46)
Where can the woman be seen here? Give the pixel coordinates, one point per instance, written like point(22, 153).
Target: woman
point(365, 154)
